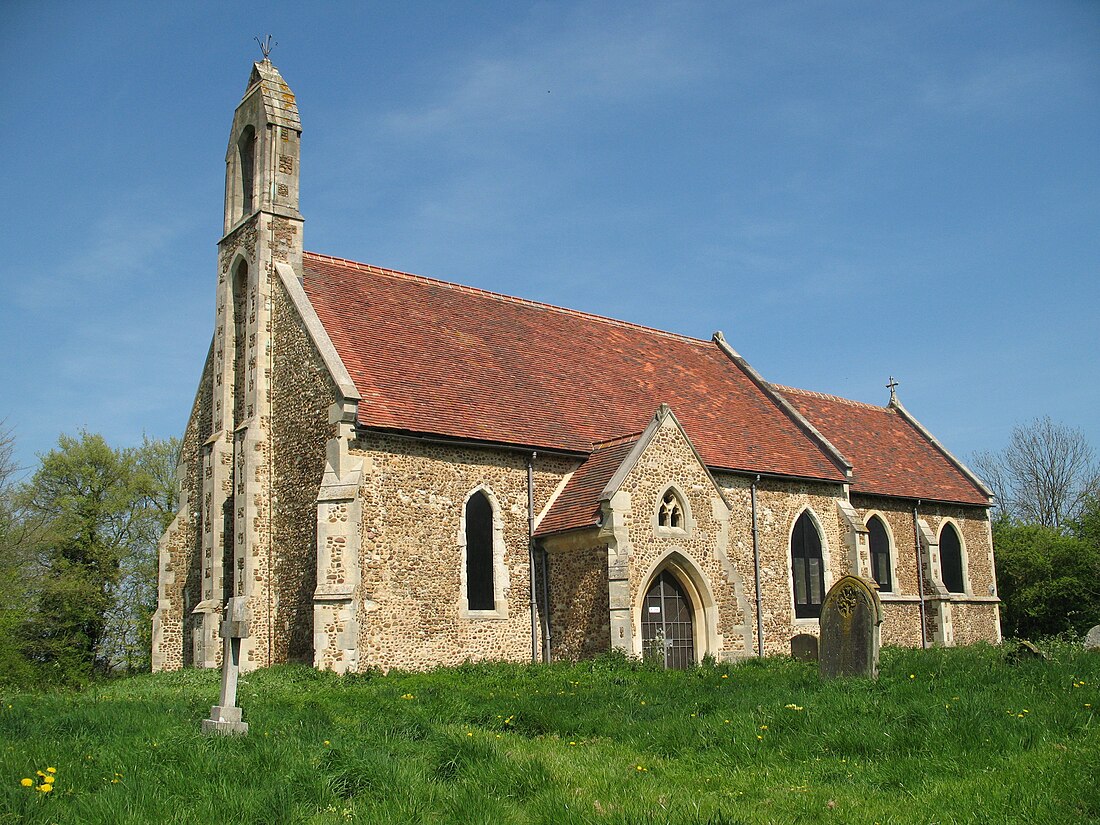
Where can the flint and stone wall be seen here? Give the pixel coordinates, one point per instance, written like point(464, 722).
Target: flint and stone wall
point(302, 392)
point(410, 599)
point(973, 616)
point(579, 623)
point(409, 603)
point(778, 506)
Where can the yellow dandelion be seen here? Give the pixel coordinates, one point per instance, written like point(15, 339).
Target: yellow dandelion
point(763, 727)
point(470, 733)
point(51, 770)
point(44, 788)
point(39, 773)
point(326, 743)
point(912, 676)
point(725, 675)
point(758, 736)
point(643, 701)
point(639, 767)
point(48, 780)
point(572, 743)
point(27, 782)
point(407, 696)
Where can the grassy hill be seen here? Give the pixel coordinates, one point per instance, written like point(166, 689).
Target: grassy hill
point(962, 735)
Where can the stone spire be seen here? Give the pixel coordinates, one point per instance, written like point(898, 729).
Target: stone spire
point(261, 161)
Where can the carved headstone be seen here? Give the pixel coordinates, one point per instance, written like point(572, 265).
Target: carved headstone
point(850, 618)
point(804, 647)
point(1092, 640)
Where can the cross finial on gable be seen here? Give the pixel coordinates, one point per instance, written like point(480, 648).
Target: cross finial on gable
point(266, 46)
point(893, 387)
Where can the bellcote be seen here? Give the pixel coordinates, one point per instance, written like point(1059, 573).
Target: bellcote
point(261, 162)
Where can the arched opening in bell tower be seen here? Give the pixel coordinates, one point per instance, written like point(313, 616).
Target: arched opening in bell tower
point(246, 170)
point(240, 326)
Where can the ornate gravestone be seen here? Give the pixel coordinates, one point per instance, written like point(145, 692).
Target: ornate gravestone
point(1092, 640)
point(850, 618)
point(804, 647)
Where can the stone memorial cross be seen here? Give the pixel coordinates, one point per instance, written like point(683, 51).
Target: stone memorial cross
point(226, 717)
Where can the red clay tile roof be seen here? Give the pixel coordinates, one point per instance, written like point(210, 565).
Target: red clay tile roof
point(891, 457)
point(433, 357)
point(578, 505)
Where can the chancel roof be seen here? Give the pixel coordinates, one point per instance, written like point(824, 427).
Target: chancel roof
point(889, 452)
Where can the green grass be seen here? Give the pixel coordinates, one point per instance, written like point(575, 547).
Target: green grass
point(943, 736)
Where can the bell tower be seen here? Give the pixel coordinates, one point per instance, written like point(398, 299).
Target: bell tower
point(262, 227)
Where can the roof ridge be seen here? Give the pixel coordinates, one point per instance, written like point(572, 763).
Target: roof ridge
point(379, 270)
point(827, 397)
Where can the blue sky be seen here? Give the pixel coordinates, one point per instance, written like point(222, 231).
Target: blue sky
point(849, 191)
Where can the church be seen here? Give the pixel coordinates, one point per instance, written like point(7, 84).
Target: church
point(382, 470)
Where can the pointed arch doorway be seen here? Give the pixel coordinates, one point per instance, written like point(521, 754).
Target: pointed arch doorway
point(668, 623)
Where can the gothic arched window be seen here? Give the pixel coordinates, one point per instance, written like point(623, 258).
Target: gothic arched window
point(807, 568)
point(880, 554)
point(240, 334)
point(246, 152)
point(951, 561)
point(479, 553)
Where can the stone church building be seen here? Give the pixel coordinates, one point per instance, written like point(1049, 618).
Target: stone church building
point(386, 470)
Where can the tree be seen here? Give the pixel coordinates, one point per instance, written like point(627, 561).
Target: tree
point(1048, 581)
point(128, 639)
point(1044, 476)
point(16, 570)
point(102, 511)
point(1087, 527)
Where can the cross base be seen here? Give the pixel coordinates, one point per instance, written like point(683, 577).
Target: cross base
point(226, 721)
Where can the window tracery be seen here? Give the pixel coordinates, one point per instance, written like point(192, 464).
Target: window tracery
point(671, 512)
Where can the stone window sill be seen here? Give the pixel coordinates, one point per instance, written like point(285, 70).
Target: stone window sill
point(484, 615)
